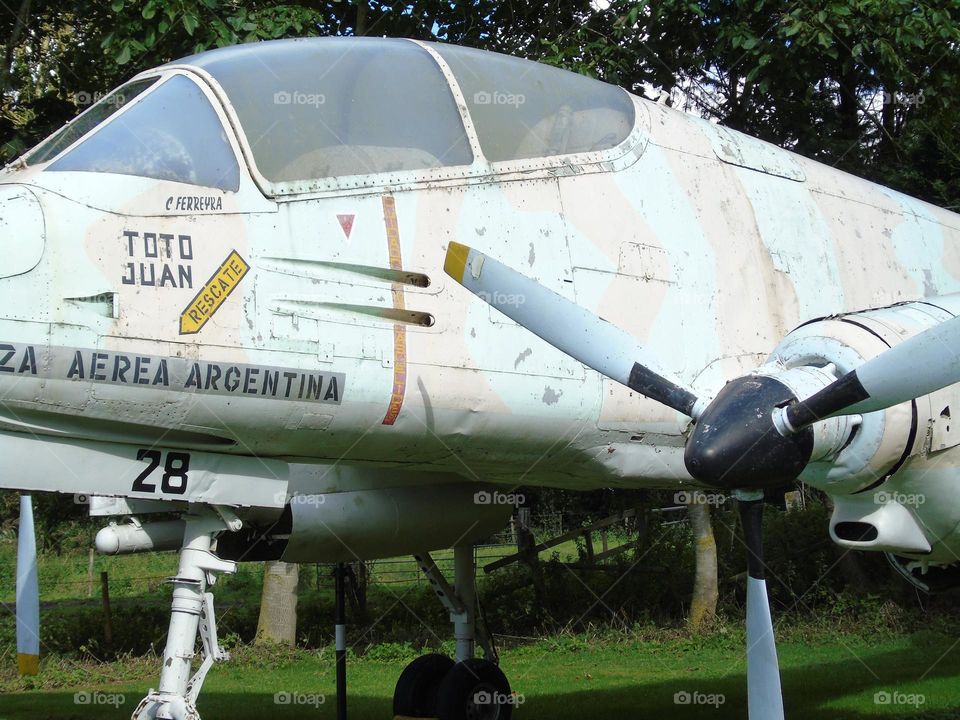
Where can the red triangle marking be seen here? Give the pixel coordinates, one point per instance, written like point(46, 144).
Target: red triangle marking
point(346, 224)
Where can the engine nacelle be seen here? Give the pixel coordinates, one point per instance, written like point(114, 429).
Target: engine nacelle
point(892, 492)
point(375, 523)
point(881, 442)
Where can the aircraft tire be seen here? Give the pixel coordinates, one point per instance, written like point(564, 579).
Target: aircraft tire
point(475, 690)
point(415, 695)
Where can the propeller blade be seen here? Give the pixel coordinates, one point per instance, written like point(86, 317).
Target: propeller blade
point(567, 326)
point(764, 696)
point(28, 593)
point(926, 362)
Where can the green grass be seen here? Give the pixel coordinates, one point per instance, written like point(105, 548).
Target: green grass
point(826, 676)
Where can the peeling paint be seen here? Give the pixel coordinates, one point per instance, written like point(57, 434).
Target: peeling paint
point(551, 396)
point(521, 357)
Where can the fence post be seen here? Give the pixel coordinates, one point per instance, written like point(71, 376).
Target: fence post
point(107, 617)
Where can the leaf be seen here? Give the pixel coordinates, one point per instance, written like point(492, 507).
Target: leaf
point(793, 29)
point(149, 10)
point(124, 57)
point(190, 23)
point(116, 5)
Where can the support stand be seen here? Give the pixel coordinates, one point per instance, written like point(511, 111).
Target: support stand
point(340, 574)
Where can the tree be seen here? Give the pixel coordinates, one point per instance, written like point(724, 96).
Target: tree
point(703, 606)
point(867, 85)
point(278, 603)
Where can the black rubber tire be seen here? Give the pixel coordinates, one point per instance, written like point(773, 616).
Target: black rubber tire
point(459, 691)
point(419, 683)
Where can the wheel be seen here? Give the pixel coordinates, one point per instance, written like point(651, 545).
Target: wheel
point(416, 691)
point(475, 690)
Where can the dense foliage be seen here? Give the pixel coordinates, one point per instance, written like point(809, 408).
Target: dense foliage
point(810, 579)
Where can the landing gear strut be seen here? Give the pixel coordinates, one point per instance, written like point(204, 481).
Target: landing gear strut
point(434, 686)
point(191, 613)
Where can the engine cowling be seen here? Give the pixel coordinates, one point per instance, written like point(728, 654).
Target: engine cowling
point(882, 441)
point(875, 471)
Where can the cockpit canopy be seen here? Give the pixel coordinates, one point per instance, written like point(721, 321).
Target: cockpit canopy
point(340, 106)
point(313, 109)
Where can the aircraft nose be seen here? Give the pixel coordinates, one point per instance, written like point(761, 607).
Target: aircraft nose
point(22, 230)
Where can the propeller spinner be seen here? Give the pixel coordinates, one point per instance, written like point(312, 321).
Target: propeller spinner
point(755, 433)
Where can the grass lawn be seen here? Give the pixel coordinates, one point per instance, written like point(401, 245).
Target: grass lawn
point(826, 677)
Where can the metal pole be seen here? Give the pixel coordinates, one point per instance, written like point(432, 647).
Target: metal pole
point(464, 574)
point(339, 618)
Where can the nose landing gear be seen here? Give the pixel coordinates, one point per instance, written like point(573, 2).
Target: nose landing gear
point(191, 613)
point(434, 686)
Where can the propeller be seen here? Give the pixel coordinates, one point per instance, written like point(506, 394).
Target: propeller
point(28, 593)
point(568, 327)
point(754, 434)
point(757, 434)
point(764, 697)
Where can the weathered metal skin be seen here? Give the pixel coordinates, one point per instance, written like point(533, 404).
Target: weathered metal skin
point(708, 245)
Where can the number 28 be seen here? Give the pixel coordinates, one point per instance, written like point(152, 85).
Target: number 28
point(175, 469)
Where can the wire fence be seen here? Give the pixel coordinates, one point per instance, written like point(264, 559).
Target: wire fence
point(66, 580)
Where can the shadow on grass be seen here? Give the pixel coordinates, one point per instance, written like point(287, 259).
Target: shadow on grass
point(809, 691)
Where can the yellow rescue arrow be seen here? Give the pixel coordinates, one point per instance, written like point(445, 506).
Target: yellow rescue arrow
point(213, 294)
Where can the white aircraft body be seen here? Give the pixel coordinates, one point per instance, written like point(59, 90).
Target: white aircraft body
point(237, 290)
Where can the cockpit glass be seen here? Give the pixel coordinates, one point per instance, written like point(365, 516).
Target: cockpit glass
point(80, 126)
point(341, 106)
point(522, 109)
point(171, 134)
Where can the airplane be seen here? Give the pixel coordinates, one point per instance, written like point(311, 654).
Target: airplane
point(333, 299)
